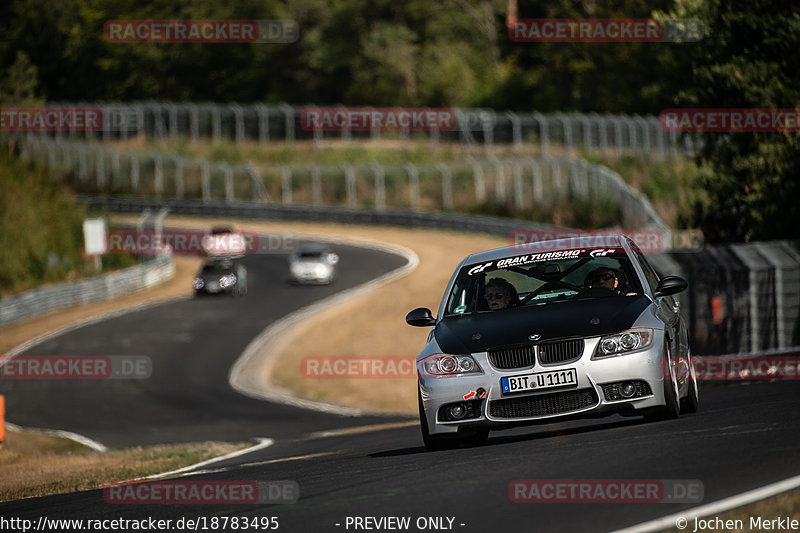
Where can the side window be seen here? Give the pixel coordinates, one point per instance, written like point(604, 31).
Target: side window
point(649, 273)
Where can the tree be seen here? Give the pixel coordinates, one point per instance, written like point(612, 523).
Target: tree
point(748, 59)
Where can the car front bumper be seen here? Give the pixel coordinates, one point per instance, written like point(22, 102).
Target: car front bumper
point(592, 396)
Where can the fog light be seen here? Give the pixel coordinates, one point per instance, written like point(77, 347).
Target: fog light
point(627, 389)
point(458, 411)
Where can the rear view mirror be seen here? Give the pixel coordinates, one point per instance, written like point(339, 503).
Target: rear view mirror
point(421, 316)
point(671, 285)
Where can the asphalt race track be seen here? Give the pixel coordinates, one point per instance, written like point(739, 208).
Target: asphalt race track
point(192, 344)
point(745, 435)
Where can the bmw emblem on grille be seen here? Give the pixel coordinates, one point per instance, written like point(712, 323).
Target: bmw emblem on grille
point(534, 337)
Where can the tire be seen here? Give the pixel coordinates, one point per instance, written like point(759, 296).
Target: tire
point(690, 403)
point(433, 443)
point(672, 409)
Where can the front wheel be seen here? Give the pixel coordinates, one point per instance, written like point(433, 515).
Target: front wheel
point(672, 408)
point(691, 401)
point(433, 443)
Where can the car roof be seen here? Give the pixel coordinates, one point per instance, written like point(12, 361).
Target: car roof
point(588, 241)
point(313, 247)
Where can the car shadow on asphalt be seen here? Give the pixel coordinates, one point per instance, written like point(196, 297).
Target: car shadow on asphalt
point(496, 438)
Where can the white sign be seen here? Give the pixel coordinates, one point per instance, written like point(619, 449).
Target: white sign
point(94, 236)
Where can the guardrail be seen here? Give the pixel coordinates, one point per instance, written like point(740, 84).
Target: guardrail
point(611, 134)
point(523, 183)
point(742, 298)
point(81, 292)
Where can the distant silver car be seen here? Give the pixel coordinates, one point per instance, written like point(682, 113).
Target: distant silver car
point(313, 263)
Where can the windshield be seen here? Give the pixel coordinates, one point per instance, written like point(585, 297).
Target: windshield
point(542, 278)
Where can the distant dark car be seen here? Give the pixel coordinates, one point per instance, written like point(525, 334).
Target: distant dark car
point(221, 276)
point(313, 263)
point(539, 333)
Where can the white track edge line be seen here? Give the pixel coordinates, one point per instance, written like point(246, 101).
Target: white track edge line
point(260, 445)
point(75, 437)
point(725, 504)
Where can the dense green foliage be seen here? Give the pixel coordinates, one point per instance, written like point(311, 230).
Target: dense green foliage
point(454, 53)
point(41, 230)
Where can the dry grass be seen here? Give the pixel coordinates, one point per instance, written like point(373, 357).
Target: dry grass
point(34, 464)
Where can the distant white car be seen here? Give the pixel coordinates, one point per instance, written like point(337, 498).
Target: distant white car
point(313, 263)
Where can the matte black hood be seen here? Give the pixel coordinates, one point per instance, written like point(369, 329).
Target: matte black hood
point(480, 332)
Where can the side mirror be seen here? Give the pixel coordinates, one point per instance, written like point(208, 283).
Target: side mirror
point(421, 316)
point(671, 285)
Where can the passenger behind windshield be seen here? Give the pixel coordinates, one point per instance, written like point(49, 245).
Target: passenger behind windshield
point(500, 294)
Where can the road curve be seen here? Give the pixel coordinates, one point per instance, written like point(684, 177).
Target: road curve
point(192, 344)
point(744, 436)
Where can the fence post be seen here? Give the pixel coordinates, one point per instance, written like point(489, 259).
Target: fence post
point(480, 182)
point(227, 170)
point(158, 162)
point(178, 177)
point(288, 113)
point(519, 201)
point(544, 132)
point(516, 129)
point(286, 184)
point(238, 123)
point(134, 171)
point(538, 189)
point(413, 185)
point(350, 184)
point(380, 186)
point(447, 187)
point(263, 123)
point(316, 185)
point(205, 180)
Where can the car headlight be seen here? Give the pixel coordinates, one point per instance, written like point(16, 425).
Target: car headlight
point(199, 283)
point(625, 342)
point(227, 281)
point(443, 365)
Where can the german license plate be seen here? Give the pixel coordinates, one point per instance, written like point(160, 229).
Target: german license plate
point(540, 380)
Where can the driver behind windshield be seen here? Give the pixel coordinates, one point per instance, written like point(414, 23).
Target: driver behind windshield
point(500, 294)
point(601, 278)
